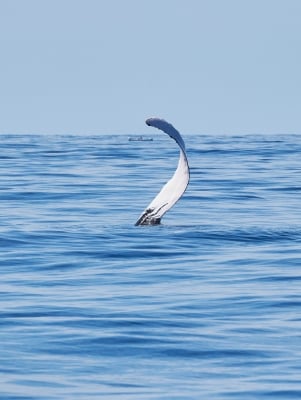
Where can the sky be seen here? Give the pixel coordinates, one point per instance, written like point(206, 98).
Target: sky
point(104, 66)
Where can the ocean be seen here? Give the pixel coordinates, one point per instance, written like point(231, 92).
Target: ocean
point(206, 305)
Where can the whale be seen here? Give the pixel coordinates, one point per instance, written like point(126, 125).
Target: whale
point(173, 190)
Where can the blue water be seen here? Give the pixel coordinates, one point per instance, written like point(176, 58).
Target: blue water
point(205, 306)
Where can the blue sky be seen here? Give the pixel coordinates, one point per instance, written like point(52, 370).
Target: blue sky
point(104, 66)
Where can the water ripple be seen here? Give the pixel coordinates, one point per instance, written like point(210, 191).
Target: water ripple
point(204, 306)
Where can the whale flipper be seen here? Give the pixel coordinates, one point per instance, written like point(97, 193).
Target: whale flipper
point(175, 187)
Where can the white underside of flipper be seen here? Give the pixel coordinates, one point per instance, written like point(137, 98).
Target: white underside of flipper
point(175, 187)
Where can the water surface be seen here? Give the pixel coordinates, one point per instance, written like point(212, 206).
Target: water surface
point(205, 306)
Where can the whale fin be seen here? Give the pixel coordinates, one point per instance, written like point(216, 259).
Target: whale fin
point(175, 187)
